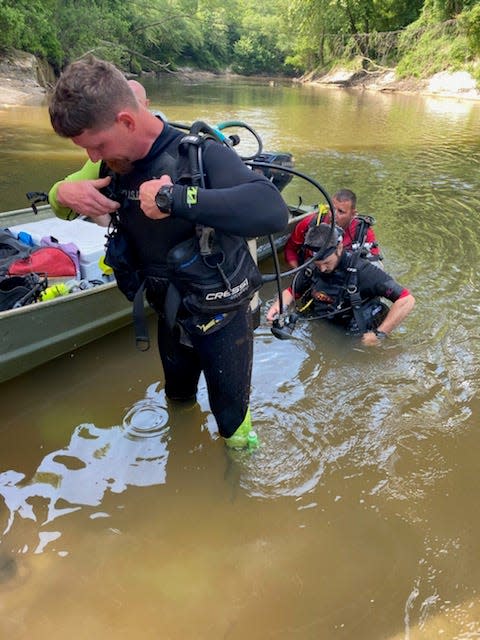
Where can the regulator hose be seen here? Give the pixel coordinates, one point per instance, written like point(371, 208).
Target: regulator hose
point(242, 125)
point(269, 277)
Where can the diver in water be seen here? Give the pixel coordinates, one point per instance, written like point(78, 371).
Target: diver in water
point(346, 289)
point(357, 231)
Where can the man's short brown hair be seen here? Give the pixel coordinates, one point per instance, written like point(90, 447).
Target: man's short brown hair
point(88, 95)
point(345, 195)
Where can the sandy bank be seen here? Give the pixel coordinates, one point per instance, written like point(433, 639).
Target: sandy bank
point(458, 84)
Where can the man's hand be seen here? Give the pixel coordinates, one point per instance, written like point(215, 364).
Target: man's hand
point(84, 197)
point(397, 312)
point(274, 310)
point(370, 339)
point(147, 192)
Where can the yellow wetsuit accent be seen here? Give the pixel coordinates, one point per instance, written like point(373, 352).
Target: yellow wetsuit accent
point(89, 171)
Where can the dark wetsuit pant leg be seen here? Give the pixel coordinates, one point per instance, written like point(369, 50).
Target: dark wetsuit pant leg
point(225, 357)
point(181, 364)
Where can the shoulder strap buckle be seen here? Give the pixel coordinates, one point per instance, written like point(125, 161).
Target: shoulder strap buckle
point(206, 236)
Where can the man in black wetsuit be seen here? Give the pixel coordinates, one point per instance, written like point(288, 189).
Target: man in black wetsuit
point(323, 288)
point(93, 105)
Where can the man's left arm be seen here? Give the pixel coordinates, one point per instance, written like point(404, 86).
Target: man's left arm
point(403, 302)
point(398, 312)
point(238, 201)
point(395, 316)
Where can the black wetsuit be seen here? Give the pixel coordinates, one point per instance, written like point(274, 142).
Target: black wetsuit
point(330, 298)
point(237, 201)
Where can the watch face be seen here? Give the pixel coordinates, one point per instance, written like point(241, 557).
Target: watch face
point(163, 199)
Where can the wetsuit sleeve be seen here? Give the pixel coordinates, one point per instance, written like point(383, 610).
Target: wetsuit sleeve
point(376, 282)
point(237, 201)
point(89, 171)
point(296, 240)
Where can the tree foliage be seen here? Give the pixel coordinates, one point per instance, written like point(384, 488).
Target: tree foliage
point(250, 37)
point(28, 25)
point(470, 22)
point(100, 26)
point(264, 41)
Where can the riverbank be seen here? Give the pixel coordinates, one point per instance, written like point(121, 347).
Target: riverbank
point(458, 84)
point(24, 80)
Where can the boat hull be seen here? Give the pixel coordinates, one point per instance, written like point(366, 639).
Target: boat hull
point(33, 335)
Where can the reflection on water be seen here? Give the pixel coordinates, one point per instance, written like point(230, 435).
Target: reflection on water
point(356, 516)
point(95, 461)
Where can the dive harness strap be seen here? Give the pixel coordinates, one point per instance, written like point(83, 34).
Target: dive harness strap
point(365, 222)
point(354, 293)
point(173, 297)
point(190, 149)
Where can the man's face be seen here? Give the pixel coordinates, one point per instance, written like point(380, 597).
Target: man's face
point(330, 263)
point(110, 145)
point(344, 212)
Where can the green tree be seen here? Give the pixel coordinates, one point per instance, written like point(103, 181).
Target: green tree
point(211, 49)
point(162, 30)
point(440, 10)
point(264, 41)
point(470, 22)
point(326, 27)
point(12, 25)
point(98, 26)
point(30, 26)
point(281, 36)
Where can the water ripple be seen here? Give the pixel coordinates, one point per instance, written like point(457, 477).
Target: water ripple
point(146, 419)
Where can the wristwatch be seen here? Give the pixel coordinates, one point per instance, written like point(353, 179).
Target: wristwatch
point(381, 335)
point(164, 198)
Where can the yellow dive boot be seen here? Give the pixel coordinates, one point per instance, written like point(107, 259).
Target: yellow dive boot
point(244, 436)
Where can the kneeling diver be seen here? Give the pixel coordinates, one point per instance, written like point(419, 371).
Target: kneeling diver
point(345, 289)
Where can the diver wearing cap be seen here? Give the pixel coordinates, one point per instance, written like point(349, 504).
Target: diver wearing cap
point(345, 289)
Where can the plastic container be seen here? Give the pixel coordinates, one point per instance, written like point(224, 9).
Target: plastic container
point(87, 236)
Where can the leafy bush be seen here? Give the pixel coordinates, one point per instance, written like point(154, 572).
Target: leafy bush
point(98, 27)
point(12, 25)
point(470, 21)
point(30, 26)
point(427, 49)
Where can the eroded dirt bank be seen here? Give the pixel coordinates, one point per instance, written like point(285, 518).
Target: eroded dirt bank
point(458, 84)
point(25, 80)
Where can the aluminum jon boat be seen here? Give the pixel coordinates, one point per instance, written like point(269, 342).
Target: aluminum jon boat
point(37, 333)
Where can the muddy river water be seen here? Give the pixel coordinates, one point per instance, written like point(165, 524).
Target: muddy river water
point(122, 516)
